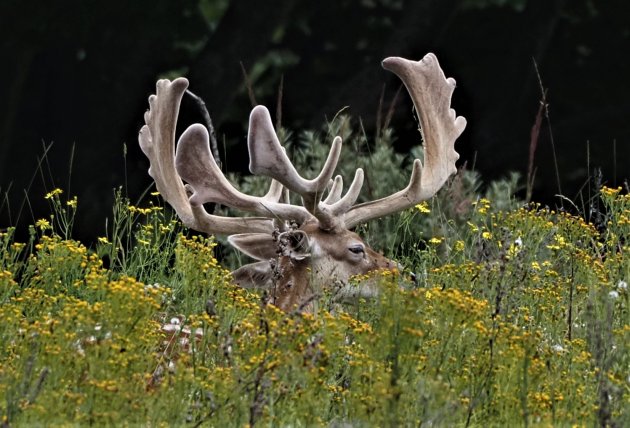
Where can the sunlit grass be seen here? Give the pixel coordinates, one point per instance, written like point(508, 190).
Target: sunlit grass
point(519, 317)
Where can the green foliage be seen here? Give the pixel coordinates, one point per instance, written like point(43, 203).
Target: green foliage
point(519, 316)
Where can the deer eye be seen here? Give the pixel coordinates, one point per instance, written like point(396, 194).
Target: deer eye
point(357, 249)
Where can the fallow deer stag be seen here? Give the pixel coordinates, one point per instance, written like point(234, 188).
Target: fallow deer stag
point(321, 253)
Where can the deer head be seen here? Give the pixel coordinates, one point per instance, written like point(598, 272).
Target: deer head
point(302, 249)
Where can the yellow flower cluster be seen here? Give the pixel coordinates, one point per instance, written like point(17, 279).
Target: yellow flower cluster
point(423, 207)
point(518, 317)
point(482, 206)
point(53, 193)
point(143, 211)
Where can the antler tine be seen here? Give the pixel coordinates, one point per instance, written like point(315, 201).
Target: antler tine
point(157, 141)
point(269, 159)
point(275, 192)
point(342, 206)
point(431, 93)
point(195, 164)
point(331, 211)
point(334, 193)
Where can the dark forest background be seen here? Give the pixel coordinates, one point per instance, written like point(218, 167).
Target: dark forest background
point(75, 77)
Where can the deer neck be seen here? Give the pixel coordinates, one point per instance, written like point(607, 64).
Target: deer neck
point(292, 288)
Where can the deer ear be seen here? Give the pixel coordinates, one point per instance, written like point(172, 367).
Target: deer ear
point(254, 275)
point(295, 244)
point(259, 246)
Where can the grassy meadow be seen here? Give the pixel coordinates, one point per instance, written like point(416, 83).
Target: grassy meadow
point(518, 317)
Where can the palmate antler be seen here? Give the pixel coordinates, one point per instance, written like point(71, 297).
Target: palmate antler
point(431, 93)
point(193, 163)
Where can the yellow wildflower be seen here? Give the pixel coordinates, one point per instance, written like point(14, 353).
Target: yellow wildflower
point(72, 203)
point(423, 207)
point(482, 205)
point(54, 193)
point(607, 191)
point(43, 224)
point(473, 227)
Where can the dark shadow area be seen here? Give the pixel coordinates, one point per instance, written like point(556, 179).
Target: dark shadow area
point(77, 75)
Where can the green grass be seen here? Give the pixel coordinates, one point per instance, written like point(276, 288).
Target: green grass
point(520, 317)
